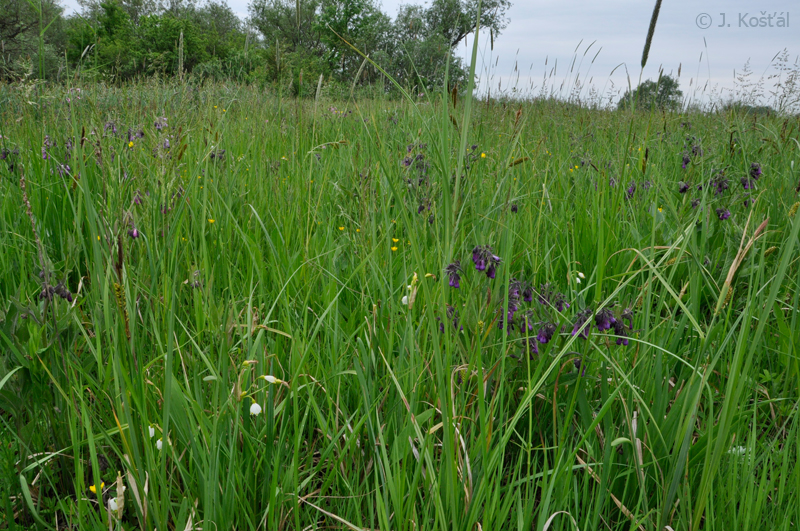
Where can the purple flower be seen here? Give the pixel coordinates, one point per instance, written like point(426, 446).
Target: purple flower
point(755, 170)
point(160, 123)
point(695, 203)
point(453, 271)
point(548, 297)
point(631, 189)
point(527, 293)
point(723, 213)
point(133, 233)
point(683, 187)
point(545, 333)
point(407, 161)
point(604, 319)
point(748, 183)
point(530, 347)
point(514, 208)
point(621, 333)
point(485, 259)
point(686, 160)
point(580, 320)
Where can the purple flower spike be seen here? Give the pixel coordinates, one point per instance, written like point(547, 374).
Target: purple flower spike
point(545, 333)
point(491, 271)
point(581, 318)
point(604, 319)
point(683, 187)
point(133, 233)
point(723, 214)
point(631, 189)
point(755, 170)
point(453, 271)
point(619, 330)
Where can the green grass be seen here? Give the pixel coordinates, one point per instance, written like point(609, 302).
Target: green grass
point(289, 256)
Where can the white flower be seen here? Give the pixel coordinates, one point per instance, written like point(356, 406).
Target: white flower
point(112, 504)
point(255, 409)
point(581, 275)
point(404, 300)
point(270, 379)
point(159, 444)
point(152, 431)
point(578, 280)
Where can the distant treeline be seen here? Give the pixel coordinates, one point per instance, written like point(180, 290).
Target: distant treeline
point(287, 42)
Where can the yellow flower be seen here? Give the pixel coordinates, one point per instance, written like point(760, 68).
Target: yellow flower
point(394, 248)
point(358, 230)
point(130, 144)
point(211, 221)
point(483, 155)
point(215, 106)
point(395, 240)
point(661, 209)
point(224, 110)
point(93, 488)
point(341, 228)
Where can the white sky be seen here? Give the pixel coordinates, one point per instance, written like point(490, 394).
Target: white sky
point(552, 29)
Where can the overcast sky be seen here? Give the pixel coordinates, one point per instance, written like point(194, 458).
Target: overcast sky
point(551, 30)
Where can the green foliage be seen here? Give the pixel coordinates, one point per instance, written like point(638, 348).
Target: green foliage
point(663, 94)
point(310, 241)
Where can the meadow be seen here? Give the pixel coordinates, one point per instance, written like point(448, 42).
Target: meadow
point(221, 308)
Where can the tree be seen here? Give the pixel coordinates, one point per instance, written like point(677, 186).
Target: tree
point(455, 19)
point(20, 29)
point(663, 94)
point(359, 23)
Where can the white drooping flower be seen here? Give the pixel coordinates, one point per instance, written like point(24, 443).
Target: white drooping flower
point(255, 409)
point(581, 275)
point(152, 431)
point(159, 444)
point(404, 300)
point(270, 379)
point(112, 504)
point(578, 280)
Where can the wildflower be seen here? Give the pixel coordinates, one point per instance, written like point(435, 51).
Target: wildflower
point(527, 293)
point(530, 347)
point(133, 233)
point(604, 319)
point(548, 297)
point(695, 203)
point(483, 155)
point(159, 444)
point(514, 208)
point(394, 248)
point(270, 379)
point(130, 144)
point(631, 189)
point(723, 213)
point(686, 161)
point(93, 488)
point(255, 409)
point(485, 260)
point(580, 320)
point(211, 221)
point(755, 170)
point(404, 300)
point(152, 431)
point(627, 315)
point(578, 363)
point(395, 240)
point(453, 271)
point(748, 183)
point(111, 126)
point(160, 123)
point(112, 504)
point(545, 333)
point(581, 275)
point(622, 335)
